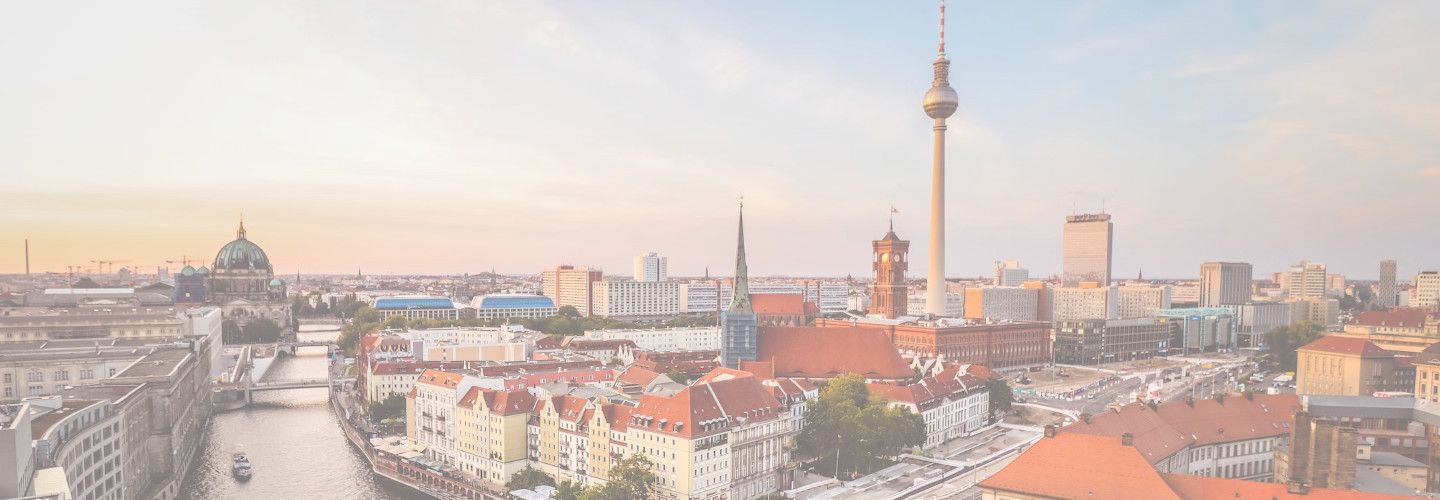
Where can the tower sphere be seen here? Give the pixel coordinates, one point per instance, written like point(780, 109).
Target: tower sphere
point(940, 102)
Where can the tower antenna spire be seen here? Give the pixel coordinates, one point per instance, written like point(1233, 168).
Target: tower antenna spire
point(942, 27)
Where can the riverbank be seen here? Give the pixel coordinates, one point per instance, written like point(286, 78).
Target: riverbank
point(397, 464)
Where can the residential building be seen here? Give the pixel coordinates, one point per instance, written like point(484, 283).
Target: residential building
point(1307, 280)
point(1012, 303)
point(1402, 330)
point(652, 267)
point(1426, 293)
point(954, 303)
point(1229, 436)
point(1009, 273)
point(890, 296)
point(1335, 365)
point(1185, 294)
point(1086, 300)
point(571, 286)
point(491, 430)
point(1200, 329)
point(1225, 283)
point(953, 404)
point(417, 306)
point(513, 306)
point(636, 300)
point(1386, 289)
point(1427, 374)
point(696, 338)
point(432, 422)
point(1044, 300)
point(1320, 311)
point(1136, 300)
point(1088, 243)
point(1095, 341)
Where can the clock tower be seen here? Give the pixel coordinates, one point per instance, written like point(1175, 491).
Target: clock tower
point(891, 260)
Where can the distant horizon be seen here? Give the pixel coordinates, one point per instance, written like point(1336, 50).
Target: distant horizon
point(422, 138)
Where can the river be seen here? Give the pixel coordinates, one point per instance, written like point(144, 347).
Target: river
point(294, 442)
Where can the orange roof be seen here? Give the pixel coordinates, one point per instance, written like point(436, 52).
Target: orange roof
point(637, 376)
point(722, 373)
point(440, 378)
point(1214, 488)
point(777, 303)
point(826, 352)
point(721, 403)
point(1351, 346)
point(1072, 465)
point(762, 369)
point(1171, 427)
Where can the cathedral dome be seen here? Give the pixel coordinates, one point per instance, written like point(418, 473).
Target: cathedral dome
point(241, 255)
point(188, 271)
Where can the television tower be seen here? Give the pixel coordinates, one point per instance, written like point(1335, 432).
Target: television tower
point(940, 103)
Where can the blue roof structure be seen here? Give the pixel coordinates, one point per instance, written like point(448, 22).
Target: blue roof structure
point(516, 302)
point(395, 303)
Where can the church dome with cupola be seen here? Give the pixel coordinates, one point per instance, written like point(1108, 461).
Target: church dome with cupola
point(242, 255)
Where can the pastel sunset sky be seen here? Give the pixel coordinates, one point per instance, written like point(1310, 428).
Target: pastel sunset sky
point(453, 136)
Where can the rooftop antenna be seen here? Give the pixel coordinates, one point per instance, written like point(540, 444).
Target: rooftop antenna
point(1102, 204)
point(942, 27)
point(27, 257)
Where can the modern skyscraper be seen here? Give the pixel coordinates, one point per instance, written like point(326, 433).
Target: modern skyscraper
point(737, 323)
point(1385, 289)
point(651, 267)
point(1225, 283)
point(1427, 290)
point(1307, 280)
point(1089, 240)
point(892, 259)
point(940, 103)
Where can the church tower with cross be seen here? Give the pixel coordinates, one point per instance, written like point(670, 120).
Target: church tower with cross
point(892, 259)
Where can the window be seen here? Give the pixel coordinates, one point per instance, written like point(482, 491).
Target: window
point(35, 377)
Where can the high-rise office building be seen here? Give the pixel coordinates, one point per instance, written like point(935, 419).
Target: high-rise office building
point(1306, 280)
point(1089, 240)
point(1225, 283)
point(651, 267)
point(1139, 300)
point(1009, 273)
point(1385, 289)
point(571, 286)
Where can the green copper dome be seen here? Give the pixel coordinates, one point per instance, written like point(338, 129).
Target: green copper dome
point(241, 255)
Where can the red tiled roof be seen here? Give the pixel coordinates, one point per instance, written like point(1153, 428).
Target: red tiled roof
point(722, 373)
point(826, 352)
point(1402, 318)
point(617, 415)
point(510, 402)
point(637, 376)
point(762, 369)
point(440, 378)
point(569, 407)
point(722, 402)
point(1169, 428)
point(1352, 346)
point(778, 303)
point(1215, 488)
point(1072, 465)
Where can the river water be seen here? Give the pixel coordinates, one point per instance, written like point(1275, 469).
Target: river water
point(293, 440)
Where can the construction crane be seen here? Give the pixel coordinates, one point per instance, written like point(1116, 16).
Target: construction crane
point(100, 264)
point(184, 260)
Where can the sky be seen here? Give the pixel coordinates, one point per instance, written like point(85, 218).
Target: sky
point(457, 136)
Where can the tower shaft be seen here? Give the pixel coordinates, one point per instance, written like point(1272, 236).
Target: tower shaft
point(935, 280)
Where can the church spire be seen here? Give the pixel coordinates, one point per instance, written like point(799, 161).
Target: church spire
point(740, 301)
point(240, 233)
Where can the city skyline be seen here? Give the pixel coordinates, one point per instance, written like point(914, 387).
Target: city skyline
point(1286, 120)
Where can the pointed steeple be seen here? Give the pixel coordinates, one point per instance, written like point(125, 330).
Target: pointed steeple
point(240, 233)
point(740, 301)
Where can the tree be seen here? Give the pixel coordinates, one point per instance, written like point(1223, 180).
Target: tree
point(568, 312)
point(568, 490)
point(632, 476)
point(1001, 397)
point(860, 432)
point(392, 407)
point(1284, 340)
point(528, 479)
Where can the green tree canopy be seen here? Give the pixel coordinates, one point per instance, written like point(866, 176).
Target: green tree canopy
point(1001, 397)
point(854, 433)
point(392, 407)
point(528, 479)
point(1284, 340)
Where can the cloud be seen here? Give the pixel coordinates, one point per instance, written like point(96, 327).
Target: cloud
point(1215, 65)
point(1431, 173)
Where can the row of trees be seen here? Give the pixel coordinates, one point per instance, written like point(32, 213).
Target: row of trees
point(259, 330)
point(630, 479)
point(1284, 340)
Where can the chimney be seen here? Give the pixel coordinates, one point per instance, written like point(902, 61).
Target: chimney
point(1127, 439)
point(1297, 488)
point(1051, 430)
point(1190, 401)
